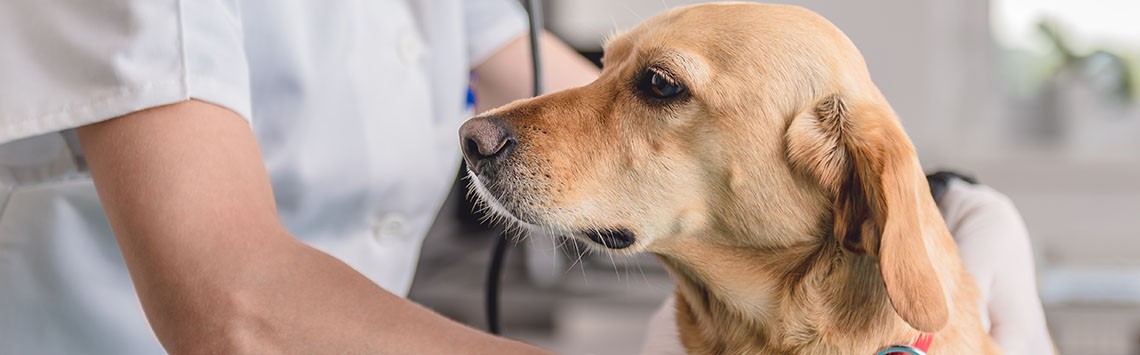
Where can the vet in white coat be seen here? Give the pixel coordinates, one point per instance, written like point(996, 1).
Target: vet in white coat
point(355, 105)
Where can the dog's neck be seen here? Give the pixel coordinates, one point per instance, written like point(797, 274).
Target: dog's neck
point(807, 298)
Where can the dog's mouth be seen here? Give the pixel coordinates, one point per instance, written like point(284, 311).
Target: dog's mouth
point(611, 238)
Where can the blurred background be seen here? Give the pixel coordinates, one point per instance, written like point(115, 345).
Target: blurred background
point(1036, 98)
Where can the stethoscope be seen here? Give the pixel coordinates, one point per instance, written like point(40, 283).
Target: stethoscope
point(495, 271)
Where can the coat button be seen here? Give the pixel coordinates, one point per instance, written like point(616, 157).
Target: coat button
point(410, 48)
point(392, 225)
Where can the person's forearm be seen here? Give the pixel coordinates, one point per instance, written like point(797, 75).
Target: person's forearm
point(189, 201)
point(296, 299)
point(506, 75)
point(285, 297)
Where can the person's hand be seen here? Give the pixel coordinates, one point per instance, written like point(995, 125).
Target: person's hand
point(993, 244)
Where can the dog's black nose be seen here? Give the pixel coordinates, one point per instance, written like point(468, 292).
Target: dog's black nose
point(485, 139)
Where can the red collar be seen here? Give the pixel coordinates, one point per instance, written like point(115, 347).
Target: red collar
point(923, 341)
point(922, 344)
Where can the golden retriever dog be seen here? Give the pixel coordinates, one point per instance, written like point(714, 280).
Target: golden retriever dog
point(745, 146)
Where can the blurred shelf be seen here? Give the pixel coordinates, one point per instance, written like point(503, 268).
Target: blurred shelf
point(1091, 286)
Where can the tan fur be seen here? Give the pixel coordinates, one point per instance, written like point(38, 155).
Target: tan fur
point(782, 195)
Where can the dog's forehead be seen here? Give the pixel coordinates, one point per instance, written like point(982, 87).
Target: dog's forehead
point(740, 37)
point(732, 17)
point(721, 29)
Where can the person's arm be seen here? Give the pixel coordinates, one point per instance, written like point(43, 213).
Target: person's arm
point(506, 75)
point(189, 201)
point(995, 247)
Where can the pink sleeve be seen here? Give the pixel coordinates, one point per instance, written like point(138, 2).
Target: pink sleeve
point(995, 247)
point(661, 338)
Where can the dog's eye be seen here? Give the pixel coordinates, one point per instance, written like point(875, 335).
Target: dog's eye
point(659, 85)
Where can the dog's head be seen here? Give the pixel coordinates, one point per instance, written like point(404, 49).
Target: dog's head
point(735, 124)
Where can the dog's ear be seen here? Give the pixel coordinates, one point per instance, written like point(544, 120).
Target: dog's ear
point(861, 157)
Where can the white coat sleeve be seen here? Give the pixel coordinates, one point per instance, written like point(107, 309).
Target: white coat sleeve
point(68, 63)
point(491, 25)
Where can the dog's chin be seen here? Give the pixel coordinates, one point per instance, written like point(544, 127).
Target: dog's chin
point(493, 207)
point(609, 238)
